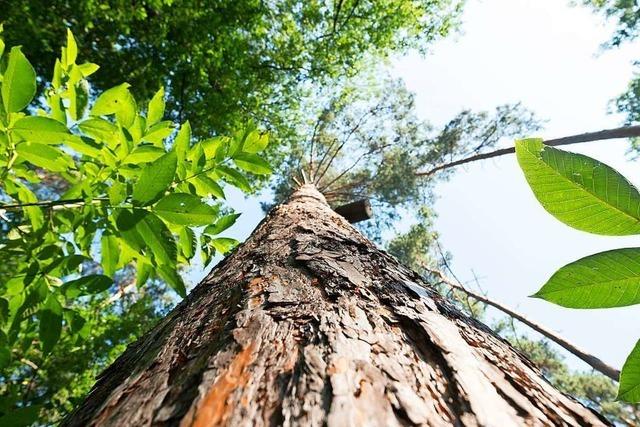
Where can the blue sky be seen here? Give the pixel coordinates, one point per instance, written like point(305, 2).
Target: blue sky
point(547, 55)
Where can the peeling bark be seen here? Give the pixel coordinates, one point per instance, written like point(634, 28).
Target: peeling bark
point(308, 323)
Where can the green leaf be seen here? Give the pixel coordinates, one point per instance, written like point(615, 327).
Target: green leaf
point(580, 191)
point(143, 272)
point(41, 129)
point(224, 244)
point(158, 132)
point(629, 390)
point(171, 276)
point(155, 178)
point(44, 156)
point(182, 141)
point(19, 82)
point(99, 129)
point(235, 178)
point(156, 108)
point(72, 48)
point(119, 101)
point(255, 142)
point(252, 163)
point(50, 316)
point(84, 146)
point(187, 242)
point(91, 284)
point(88, 68)
point(222, 224)
point(144, 154)
point(110, 252)
point(185, 209)
point(206, 186)
point(158, 238)
point(117, 193)
point(606, 279)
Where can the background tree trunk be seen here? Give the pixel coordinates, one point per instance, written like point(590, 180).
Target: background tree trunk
point(309, 323)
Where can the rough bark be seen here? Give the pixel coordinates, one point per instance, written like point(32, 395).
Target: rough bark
point(308, 323)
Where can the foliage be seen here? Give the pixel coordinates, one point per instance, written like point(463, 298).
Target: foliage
point(90, 174)
point(57, 382)
point(225, 60)
point(626, 13)
point(365, 141)
point(590, 196)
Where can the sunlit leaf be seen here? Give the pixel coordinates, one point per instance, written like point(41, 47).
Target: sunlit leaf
point(606, 279)
point(629, 390)
point(580, 191)
point(44, 156)
point(18, 83)
point(224, 244)
point(252, 163)
point(185, 209)
point(41, 129)
point(171, 276)
point(222, 224)
point(155, 179)
point(156, 108)
point(110, 252)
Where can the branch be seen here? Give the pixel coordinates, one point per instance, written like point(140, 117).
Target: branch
point(623, 132)
point(54, 203)
point(590, 359)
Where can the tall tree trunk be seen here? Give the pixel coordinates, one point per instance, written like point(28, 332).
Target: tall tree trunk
point(309, 323)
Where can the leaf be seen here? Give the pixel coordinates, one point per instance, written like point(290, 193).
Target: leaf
point(606, 279)
point(171, 276)
point(50, 316)
point(144, 154)
point(44, 156)
point(184, 209)
point(158, 238)
point(117, 193)
point(84, 146)
point(182, 141)
point(629, 390)
point(207, 186)
point(580, 191)
point(156, 108)
point(143, 272)
point(91, 284)
point(88, 68)
point(110, 251)
point(41, 129)
point(19, 82)
point(255, 142)
point(119, 101)
point(235, 178)
point(224, 244)
point(158, 132)
point(155, 179)
point(99, 129)
point(72, 48)
point(222, 224)
point(187, 242)
point(252, 163)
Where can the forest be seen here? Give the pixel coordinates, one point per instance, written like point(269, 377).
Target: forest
point(258, 212)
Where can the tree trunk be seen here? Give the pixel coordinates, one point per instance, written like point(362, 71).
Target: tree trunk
point(308, 323)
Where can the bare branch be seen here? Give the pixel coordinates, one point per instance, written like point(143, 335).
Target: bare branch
point(590, 359)
point(623, 132)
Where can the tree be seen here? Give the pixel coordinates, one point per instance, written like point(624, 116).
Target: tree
point(309, 324)
point(225, 61)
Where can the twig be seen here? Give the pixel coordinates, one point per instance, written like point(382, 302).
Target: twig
point(590, 359)
point(623, 132)
point(53, 203)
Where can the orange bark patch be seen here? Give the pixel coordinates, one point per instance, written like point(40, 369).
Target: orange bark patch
point(215, 407)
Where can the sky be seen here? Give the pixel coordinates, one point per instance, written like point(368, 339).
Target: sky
point(546, 55)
